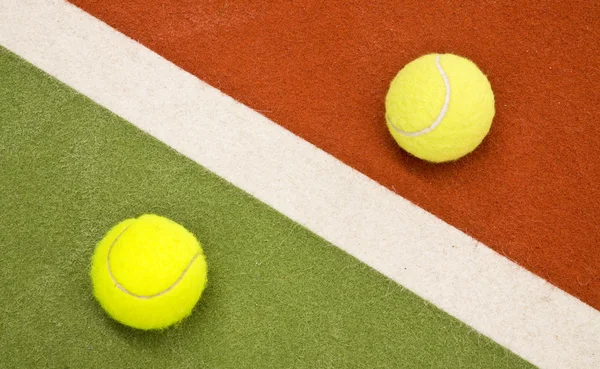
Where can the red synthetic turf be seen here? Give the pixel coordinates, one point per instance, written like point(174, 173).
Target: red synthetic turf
point(321, 69)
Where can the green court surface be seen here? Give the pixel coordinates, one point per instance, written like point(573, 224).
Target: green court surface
point(278, 295)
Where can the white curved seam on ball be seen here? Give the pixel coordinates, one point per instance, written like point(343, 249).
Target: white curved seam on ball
point(122, 288)
point(440, 116)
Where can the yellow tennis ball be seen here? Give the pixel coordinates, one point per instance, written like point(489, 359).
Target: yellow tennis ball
point(149, 272)
point(439, 107)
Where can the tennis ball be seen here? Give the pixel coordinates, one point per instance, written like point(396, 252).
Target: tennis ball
point(149, 272)
point(439, 107)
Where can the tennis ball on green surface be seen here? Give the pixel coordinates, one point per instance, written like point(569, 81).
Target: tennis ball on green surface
point(439, 107)
point(149, 272)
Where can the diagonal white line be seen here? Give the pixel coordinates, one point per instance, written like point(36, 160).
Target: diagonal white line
point(414, 248)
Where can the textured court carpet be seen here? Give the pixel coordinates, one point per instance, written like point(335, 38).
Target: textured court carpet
point(278, 296)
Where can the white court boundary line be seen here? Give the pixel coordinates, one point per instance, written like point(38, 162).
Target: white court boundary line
point(469, 281)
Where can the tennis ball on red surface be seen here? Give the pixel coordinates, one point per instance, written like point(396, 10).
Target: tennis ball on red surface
point(439, 107)
point(149, 272)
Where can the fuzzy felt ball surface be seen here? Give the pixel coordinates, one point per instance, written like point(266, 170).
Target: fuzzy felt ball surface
point(149, 272)
point(439, 107)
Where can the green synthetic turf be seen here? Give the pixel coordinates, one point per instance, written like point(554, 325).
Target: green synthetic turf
point(278, 296)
